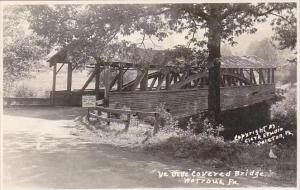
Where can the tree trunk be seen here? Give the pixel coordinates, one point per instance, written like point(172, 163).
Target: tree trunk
point(213, 45)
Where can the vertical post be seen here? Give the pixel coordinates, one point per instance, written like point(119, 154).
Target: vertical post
point(69, 79)
point(260, 76)
point(229, 78)
point(263, 81)
point(242, 74)
point(88, 114)
point(53, 84)
point(97, 80)
point(120, 80)
point(106, 86)
point(234, 81)
point(252, 77)
point(175, 77)
point(202, 82)
point(127, 123)
point(156, 123)
point(273, 78)
point(168, 81)
point(269, 75)
point(144, 82)
point(108, 116)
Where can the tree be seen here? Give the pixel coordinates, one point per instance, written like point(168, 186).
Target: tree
point(98, 25)
point(265, 50)
point(95, 28)
point(285, 28)
point(22, 50)
point(223, 22)
point(285, 37)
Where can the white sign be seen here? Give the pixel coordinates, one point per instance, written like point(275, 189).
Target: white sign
point(88, 101)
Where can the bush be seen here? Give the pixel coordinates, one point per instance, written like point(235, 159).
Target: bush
point(202, 125)
point(215, 152)
point(24, 91)
point(284, 113)
point(200, 141)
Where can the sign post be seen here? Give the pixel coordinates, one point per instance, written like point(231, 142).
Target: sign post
point(88, 101)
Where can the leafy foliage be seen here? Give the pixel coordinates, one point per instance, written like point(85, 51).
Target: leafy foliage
point(286, 107)
point(285, 27)
point(99, 25)
point(232, 19)
point(24, 91)
point(22, 50)
point(265, 50)
point(284, 113)
point(204, 127)
point(94, 26)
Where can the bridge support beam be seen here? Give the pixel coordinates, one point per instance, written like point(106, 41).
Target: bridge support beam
point(120, 79)
point(97, 79)
point(69, 77)
point(144, 82)
point(273, 72)
point(53, 84)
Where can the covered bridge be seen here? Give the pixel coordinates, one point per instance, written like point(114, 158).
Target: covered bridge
point(183, 89)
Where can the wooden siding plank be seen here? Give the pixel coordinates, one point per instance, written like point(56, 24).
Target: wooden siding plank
point(193, 101)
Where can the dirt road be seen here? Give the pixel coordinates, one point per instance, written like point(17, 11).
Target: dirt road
point(42, 150)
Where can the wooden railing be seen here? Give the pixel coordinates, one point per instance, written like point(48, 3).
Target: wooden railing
point(128, 114)
point(280, 91)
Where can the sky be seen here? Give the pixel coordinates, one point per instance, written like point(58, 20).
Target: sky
point(264, 31)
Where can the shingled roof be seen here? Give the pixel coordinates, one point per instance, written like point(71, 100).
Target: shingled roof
point(244, 62)
point(62, 56)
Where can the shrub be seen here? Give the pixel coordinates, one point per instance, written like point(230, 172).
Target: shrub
point(284, 113)
point(24, 91)
point(167, 122)
point(202, 125)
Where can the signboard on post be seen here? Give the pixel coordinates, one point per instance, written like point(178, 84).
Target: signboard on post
point(88, 101)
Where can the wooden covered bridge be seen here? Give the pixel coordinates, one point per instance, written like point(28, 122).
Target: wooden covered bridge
point(183, 89)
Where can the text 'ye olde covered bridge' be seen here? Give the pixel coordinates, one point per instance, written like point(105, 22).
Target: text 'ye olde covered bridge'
point(245, 81)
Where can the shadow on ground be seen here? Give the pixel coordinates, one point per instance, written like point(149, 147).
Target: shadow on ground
point(49, 113)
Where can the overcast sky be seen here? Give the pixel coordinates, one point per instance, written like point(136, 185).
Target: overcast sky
point(264, 31)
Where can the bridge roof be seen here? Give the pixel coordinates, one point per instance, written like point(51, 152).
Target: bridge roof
point(156, 59)
point(244, 62)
